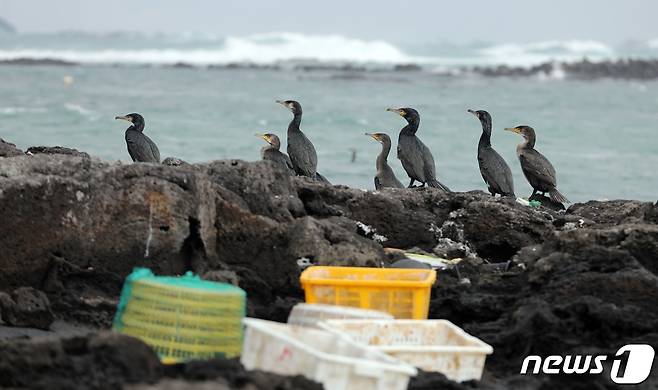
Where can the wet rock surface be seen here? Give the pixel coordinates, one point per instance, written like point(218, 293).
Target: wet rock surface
point(56, 150)
point(7, 149)
point(26, 307)
point(174, 162)
point(532, 281)
point(109, 360)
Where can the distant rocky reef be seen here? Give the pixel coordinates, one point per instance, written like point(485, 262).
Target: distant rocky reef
point(629, 69)
point(585, 69)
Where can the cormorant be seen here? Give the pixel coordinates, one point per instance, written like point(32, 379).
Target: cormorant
point(140, 147)
point(416, 158)
point(385, 178)
point(300, 149)
point(495, 171)
point(271, 152)
point(536, 168)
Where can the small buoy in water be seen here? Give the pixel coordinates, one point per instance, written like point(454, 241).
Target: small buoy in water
point(68, 80)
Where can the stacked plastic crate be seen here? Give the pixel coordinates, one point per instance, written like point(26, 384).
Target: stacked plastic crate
point(182, 318)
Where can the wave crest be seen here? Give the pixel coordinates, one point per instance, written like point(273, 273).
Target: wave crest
point(540, 52)
point(283, 47)
point(261, 49)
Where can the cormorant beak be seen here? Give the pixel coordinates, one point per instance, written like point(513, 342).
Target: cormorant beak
point(124, 118)
point(398, 111)
point(513, 130)
point(473, 112)
point(263, 136)
point(374, 136)
point(283, 103)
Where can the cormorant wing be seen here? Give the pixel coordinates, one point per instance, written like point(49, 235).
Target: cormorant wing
point(411, 157)
point(154, 148)
point(141, 148)
point(321, 178)
point(131, 148)
point(388, 176)
point(288, 162)
point(495, 171)
point(535, 164)
point(284, 160)
point(429, 169)
point(303, 157)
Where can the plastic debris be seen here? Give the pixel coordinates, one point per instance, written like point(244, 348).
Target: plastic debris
point(432, 345)
point(404, 293)
point(181, 318)
point(333, 360)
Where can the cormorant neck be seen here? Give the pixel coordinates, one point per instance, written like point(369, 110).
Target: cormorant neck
point(411, 127)
point(264, 150)
point(295, 123)
point(485, 138)
point(383, 155)
point(529, 142)
point(137, 126)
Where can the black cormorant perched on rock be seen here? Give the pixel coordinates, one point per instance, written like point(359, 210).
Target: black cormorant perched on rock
point(416, 158)
point(536, 168)
point(140, 147)
point(300, 149)
point(273, 153)
point(385, 178)
point(495, 171)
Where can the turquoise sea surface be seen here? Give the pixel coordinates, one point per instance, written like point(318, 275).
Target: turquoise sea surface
point(600, 135)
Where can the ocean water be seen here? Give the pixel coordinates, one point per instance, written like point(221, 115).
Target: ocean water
point(600, 135)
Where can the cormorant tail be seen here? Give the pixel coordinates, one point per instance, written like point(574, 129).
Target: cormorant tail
point(321, 178)
point(556, 196)
point(437, 184)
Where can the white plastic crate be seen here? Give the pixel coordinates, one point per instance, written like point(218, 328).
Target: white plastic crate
point(432, 345)
point(329, 358)
point(306, 314)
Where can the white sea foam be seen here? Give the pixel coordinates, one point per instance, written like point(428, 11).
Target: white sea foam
point(80, 110)
point(540, 52)
point(258, 49)
point(277, 48)
point(21, 110)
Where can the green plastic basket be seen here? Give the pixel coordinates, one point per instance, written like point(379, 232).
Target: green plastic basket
point(182, 318)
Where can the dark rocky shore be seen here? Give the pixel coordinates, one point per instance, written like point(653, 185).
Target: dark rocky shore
point(638, 69)
point(627, 68)
point(533, 281)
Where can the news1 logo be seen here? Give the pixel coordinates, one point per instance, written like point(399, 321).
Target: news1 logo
point(630, 365)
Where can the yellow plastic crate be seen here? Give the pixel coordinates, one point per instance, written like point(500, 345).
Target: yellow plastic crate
point(182, 318)
point(404, 293)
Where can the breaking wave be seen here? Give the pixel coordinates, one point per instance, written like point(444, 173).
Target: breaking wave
point(277, 48)
point(540, 52)
point(262, 49)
